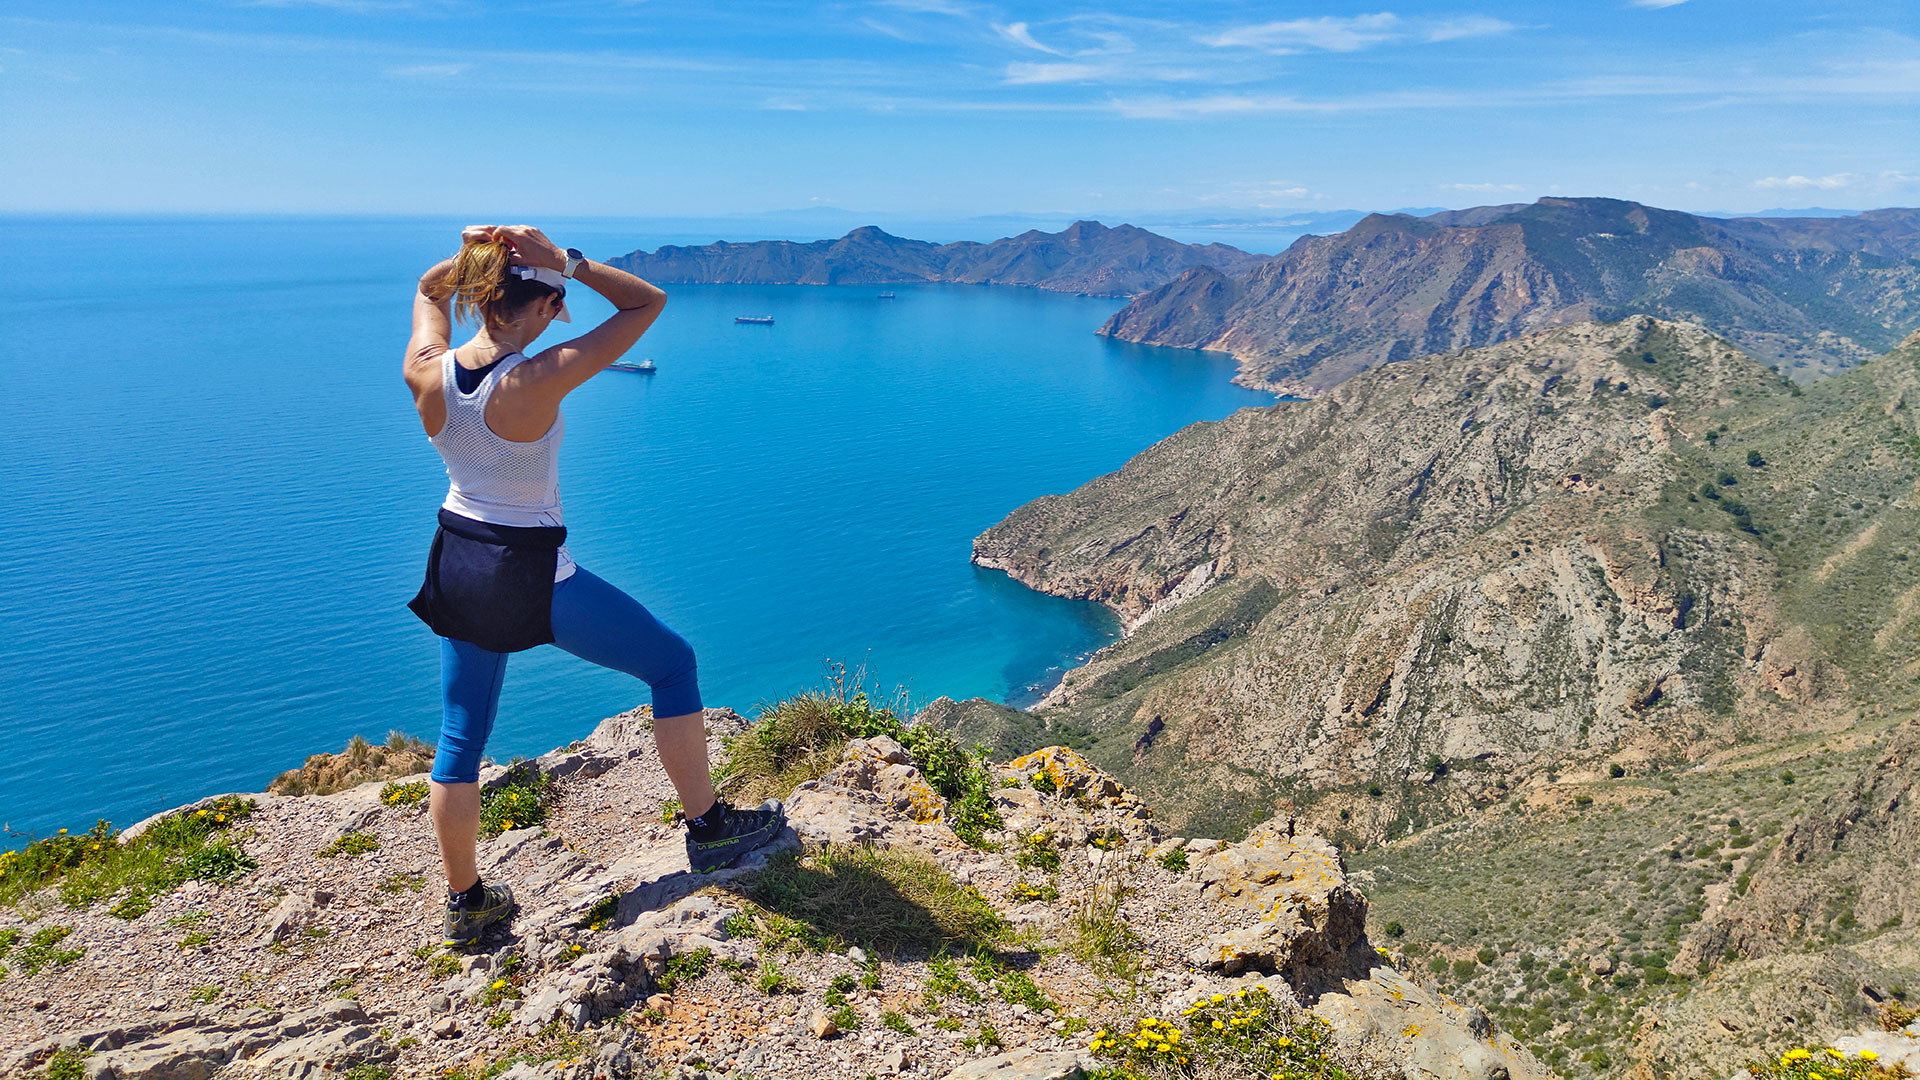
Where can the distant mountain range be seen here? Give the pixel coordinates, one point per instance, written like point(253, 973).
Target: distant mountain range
point(1086, 257)
point(1812, 295)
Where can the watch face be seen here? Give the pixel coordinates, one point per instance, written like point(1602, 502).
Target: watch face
point(574, 253)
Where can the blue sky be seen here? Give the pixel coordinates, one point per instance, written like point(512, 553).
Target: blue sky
point(647, 108)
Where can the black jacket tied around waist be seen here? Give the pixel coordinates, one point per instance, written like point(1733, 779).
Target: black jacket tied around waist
point(489, 584)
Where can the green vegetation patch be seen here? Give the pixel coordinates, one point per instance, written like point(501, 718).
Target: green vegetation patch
point(521, 800)
point(412, 793)
point(350, 845)
point(886, 898)
point(43, 950)
point(803, 737)
point(98, 864)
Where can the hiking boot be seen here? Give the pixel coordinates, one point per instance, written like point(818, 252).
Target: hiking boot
point(736, 833)
point(466, 924)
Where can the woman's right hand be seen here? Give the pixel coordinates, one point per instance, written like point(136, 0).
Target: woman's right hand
point(478, 234)
point(532, 248)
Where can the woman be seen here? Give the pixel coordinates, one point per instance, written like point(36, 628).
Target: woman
point(499, 578)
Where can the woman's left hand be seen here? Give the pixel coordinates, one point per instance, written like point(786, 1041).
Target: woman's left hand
point(478, 234)
point(532, 248)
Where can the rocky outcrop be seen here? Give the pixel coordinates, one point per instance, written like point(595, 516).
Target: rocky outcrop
point(1312, 924)
point(620, 963)
point(1086, 257)
point(1449, 575)
point(1813, 295)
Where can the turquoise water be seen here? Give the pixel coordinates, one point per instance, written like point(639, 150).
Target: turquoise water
point(222, 499)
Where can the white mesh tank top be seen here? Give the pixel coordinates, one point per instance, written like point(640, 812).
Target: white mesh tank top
point(494, 479)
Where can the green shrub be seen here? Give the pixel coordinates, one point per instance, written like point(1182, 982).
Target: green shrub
point(99, 863)
point(895, 1022)
point(803, 737)
point(1037, 853)
point(1175, 860)
point(66, 1065)
point(351, 845)
point(684, 968)
point(521, 801)
point(1026, 892)
point(412, 793)
point(43, 949)
point(771, 980)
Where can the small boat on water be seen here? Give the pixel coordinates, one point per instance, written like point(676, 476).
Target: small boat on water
point(645, 367)
point(886, 296)
point(757, 320)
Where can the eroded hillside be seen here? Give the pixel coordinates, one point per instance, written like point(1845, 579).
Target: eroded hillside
point(1453, 574)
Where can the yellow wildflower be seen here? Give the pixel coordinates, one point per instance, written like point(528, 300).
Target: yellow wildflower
point(1284, 1041)
point(1832, 1053)
point(1868, 1055)
point(1218, 1026)
point(498, 983)
point(1217, 998)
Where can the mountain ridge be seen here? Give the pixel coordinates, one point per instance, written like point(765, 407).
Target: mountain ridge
point(1810, 295)
point(1086, 257)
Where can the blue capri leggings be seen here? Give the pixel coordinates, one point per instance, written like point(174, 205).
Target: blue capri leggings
point(593, 621)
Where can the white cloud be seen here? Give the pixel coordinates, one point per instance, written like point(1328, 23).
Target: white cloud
point(1023, 74)
point(1335, 33)
point(1824, 183)
point(1481, 187)
point(1020, 35)
point(1655, 3)
point(1328, 32)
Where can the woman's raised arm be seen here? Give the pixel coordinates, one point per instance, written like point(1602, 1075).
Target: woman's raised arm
point(558, 370)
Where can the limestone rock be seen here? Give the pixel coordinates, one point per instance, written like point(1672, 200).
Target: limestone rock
point(1435, 1038)
point(883, 767)
point(1310, 919)
point(1022, 1064)
point(822, 1025)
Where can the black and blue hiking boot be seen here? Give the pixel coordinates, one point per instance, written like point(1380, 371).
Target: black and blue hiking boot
point(469, 914)
point(719, 837)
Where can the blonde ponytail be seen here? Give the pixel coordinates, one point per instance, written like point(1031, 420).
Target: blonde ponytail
point(480, 287)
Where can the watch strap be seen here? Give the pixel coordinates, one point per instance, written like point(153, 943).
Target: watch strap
point(574, 259)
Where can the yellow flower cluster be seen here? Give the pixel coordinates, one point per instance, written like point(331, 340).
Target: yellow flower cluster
point(1827, 1063)
point(1150, 1036)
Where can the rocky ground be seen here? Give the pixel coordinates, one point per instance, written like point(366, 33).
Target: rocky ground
point(621, 963)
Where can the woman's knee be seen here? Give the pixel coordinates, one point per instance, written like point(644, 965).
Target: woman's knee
point(676, 681)
point(455, 764)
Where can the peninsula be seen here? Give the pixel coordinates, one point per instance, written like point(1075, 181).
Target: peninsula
point(1086, 257)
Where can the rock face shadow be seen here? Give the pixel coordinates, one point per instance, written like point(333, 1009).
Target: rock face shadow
point(665, 878)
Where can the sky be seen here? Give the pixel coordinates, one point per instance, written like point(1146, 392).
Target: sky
point(950, 108)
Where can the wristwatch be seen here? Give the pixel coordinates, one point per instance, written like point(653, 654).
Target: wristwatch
point(574, 259)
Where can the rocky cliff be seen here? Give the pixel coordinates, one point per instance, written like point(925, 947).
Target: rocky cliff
point(1810, 295)
point(871, 940)
point(1451, 574)
point(1086, 257)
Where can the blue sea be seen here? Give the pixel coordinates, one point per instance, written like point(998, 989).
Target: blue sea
point(222, 499)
